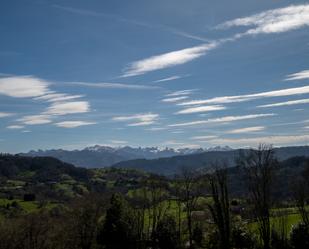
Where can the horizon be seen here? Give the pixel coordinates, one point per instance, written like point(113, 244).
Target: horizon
point(176, 149)
point(165, 74)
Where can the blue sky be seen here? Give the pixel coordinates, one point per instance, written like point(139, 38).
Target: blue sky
point(170, 73)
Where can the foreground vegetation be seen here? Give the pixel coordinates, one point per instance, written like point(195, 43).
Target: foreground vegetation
point(48, 204)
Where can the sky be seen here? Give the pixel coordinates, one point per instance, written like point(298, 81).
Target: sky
point(167, 73)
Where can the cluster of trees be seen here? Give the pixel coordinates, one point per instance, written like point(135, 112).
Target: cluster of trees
point(168, 214)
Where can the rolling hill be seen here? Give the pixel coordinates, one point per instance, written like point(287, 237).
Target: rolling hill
point(172, 165)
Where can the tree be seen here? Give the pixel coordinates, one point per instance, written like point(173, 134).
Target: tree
point(220, 209)
point(118, 230)
point(189, 194)
point(259, 166)
point(301, 195)
point(83, 221)
point(156, 186)
point(165, 235)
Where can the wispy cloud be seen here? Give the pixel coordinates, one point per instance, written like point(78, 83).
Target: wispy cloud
point(298, 76)
point(15, 127)
point(167, 60)
point(156, 129)
point(273, 21)
point(175, 99)
point(120, 18)
point(114, 85)
point(73, 124)
point(142, 123)
point(181, 92)
point(5, 114)
point(190, 36)
point(278, 140)
point(57, 97)
point(63, 108)
point(35, 119)
point(198, 109)
point(138, 119)
point(118, 141)
point(204, 138)
point(175, 77)
point(247, 130)
point(291, 102)
point(248, 97)
point(225, 119)
point(38, 89)
point(178, 144)
point(23, 86)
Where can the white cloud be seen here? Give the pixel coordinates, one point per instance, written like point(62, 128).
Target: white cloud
point(138, 119)
point(223, 119)
point(273, 21)
point(38, 89)
point(181, 92)
point(180, 145)
point(177, 132)
point(203, 137)
point(58, 97)
point(175, 77)
point(73, 124)
point(246, 130)
point(198, 109)
point(142, 123)
point(5, 114)
point(15, 127)
point(167, 60)
point(35, 119)
point(23, 86)
point(118, 141)
point(173, 142)
point(279, 140)
point(63, 108)
point(156, 129)
point(298, 76)
point(175, 99)
point(248, 97)
point(291, 102)
point(114, 85)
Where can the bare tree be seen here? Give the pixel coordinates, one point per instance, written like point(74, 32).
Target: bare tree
point(189, 194)
point(220, 208)
point(179, 202)
point(157, 195)
point(301, 190)
point(259, 168)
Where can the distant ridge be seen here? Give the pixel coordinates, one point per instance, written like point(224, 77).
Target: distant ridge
point(172, 165)
point(98, 156)
point(153, 159)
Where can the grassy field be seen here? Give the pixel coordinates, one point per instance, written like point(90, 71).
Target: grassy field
point(289, 220)
point(25, 206)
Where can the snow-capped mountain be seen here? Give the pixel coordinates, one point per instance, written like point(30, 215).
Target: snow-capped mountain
point(102, 156)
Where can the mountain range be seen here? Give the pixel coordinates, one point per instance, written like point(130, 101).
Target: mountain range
point(104, 156)
point(173, 165)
